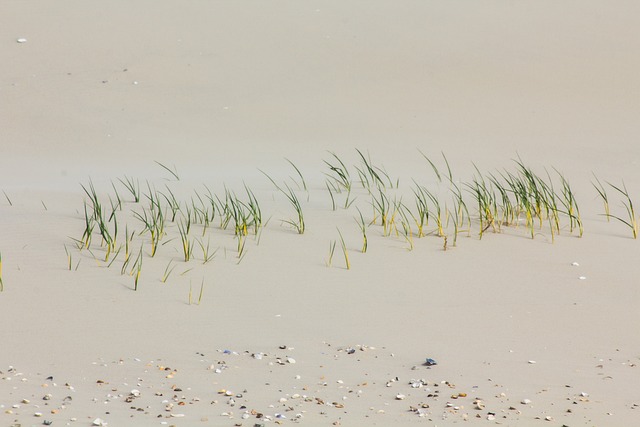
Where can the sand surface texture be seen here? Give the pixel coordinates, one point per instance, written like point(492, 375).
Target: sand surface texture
point(237, 290)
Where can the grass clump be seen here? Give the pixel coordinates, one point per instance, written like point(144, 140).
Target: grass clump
point(631, 220)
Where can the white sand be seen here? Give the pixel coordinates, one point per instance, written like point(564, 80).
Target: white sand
point(220, 90)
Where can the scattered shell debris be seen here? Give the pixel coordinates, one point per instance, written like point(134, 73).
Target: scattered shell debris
point(171, 392)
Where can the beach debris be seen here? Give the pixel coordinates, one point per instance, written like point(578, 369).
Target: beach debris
point(21, 40)
point(532, 362)
point(430, 362)
point(575, 264)
point(400, 396)
point(479, 404)
point(582, 278)
point(417, 383)
point(525, 401)
point(98, 422)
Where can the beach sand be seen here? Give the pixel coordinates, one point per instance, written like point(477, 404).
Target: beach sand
point(523, 331)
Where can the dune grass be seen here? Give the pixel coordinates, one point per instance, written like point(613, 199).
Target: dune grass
point(517, 197)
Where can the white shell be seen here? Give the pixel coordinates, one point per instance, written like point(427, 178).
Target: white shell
point(400, 396)
point(525, 401)
point(21, 40)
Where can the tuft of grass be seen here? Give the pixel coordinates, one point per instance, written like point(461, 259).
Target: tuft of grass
point(332, 249)
point(632, 220)
point(344, 250)
point(201, 291)
point(603, 195)
point(571, 206)
point(138, 267)
point(133, 186)
point(304, 183)
point(374, 173)
point(381, 207)
point(297, 223)
point(207, 255)
point(340, 177)
point(187, 243)
point(172, 172)
point(363, 228)
point(167, 272)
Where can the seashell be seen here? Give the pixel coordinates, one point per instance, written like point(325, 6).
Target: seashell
point(98, 422)
point(291, 360)
point(575, 264)
point(525, 401)
point(479, 404)
point(582, 278)
point(135, 393)
point(532, 362)
point(21, 40)
point(176, 415)
point(47, 397)
point(37, 414)
point(400, 396)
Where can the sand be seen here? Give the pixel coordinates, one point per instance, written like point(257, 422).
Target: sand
point(524, 331)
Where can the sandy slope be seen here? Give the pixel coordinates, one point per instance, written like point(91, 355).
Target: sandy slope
point(220, 90)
